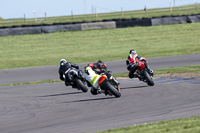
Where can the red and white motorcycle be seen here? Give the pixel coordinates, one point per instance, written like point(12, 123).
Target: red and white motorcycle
point(142, 72)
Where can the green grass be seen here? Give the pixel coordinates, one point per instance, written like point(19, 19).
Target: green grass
point(29, 83)
point(185, 125)
point(108, 44)
point(184, 69)
point(171, 70)
point(194, 9)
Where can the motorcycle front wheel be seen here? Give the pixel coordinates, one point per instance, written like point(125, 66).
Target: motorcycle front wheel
point(112, 89)
point(148, 78)
point(81, 85)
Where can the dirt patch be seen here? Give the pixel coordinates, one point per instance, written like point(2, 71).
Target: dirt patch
point(177, 75)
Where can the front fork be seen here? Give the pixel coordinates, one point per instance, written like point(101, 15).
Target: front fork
point(80, 76)
point(112, 79)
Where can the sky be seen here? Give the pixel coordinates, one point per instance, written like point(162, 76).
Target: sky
point(18, 8)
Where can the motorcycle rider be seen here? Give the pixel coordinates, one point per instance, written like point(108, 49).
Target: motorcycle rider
point(100, 67)
point(64, 68)
point(132, 63)
point(92, 80)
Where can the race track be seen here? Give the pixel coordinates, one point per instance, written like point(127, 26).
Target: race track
point(55, 108)
point(51, 72)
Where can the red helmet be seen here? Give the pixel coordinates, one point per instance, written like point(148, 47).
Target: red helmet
point(91, 65)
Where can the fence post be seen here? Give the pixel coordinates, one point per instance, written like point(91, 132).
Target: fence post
point(96, 13)
point(34, 12)
point(122, 12)
point(196, 6)
point(72, 15)
point(45, 16)
point(170, 7)
point(145, 9)
point(24, 18)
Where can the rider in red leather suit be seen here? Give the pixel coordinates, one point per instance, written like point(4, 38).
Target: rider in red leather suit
point(132, 64)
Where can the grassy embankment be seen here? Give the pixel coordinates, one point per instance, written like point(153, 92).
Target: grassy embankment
point(193, 69)
point(108, 44)
point(186, 125)
point(183, 10)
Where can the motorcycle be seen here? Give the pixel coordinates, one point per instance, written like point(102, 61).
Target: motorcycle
point(76, 79)
point(142, 72)
point(108, 86)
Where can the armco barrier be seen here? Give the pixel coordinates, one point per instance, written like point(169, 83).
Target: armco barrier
point(169, 20)
point(105, 24)
point(53, 28)
point(175, 20)
point(133, 22)
point(98, 25)
point(20, 31)
point(194, 18)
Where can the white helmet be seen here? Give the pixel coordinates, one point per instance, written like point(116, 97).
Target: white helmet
point(132, 51)
point(63, 61)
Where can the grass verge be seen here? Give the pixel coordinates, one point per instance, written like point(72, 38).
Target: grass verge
point(185, 125)
point(90, 46)
point(34, 82)
point(193, 69)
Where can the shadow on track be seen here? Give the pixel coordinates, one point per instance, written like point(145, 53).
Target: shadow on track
point(132, 87)
point(71, 93)
point(86, 100)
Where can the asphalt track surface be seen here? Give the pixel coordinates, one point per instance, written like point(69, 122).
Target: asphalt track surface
point(51, 72)
point(55, 108)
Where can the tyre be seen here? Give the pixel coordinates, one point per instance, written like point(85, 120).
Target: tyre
point(148, 78)
point(112, 89)
point(81, 85)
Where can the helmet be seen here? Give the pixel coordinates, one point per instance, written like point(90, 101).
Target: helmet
point(63, 61)
point(101, 64)
point(91, 65)
point(132, 51)
point(99, 61)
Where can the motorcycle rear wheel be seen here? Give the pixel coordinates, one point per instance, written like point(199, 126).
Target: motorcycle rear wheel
point(148, 78)
point(81, 85)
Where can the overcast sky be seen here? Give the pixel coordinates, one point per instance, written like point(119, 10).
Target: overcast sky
point(17, 8)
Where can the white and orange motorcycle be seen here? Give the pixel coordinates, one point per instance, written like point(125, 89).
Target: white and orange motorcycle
point(101, 82)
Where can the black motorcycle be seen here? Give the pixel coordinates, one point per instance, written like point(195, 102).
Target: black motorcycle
point(76, 79)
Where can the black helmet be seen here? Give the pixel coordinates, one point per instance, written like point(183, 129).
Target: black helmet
point(132, 51)
point(99, 61)
point(101, 64)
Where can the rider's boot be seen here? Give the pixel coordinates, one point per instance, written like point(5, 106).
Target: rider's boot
point(132, 76)
point(94, 91)
point(149, 70)
point(67, 83)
